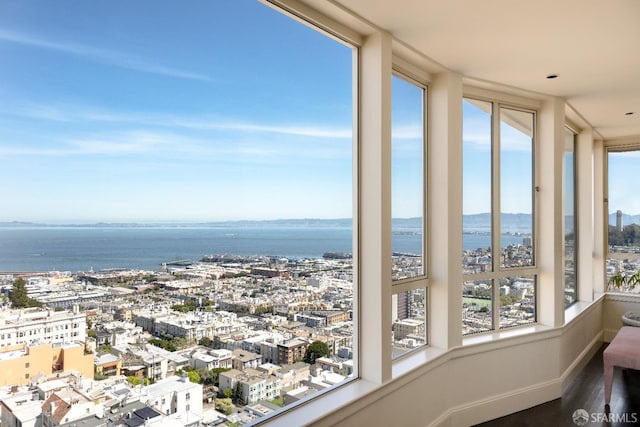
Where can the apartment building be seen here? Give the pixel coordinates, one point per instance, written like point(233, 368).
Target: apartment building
point(211, 359)
point(191, 326)
point(291, 376)
point(108, 365)
point(242, 359)
point(174, 396)
point(25, 363)
point(21, 409)
point(251, 385)
point(156, 362)
point(291, 351)
point(66, 406)
point(21, 326)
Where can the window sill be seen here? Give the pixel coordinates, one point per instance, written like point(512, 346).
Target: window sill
point(409, 362)
point(503, 334)
point(316, 407)
point(576, 309)
point(352, 394)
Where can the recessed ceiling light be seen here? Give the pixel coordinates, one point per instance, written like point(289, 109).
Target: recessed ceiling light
point(552, 76)
point(629, 113)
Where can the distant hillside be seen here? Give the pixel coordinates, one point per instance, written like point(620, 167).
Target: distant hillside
point(626, 219)
point(514, 223)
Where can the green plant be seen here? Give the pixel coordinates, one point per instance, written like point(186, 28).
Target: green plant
point(623, 282)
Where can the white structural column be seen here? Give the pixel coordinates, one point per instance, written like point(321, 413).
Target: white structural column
point(550, 209)
point(584, 212)
point(374, 249)
point(445, 210)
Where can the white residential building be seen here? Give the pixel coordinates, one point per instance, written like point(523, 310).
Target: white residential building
point(21, 409)
point(211, 359)
point(252, 384)
point(35, 324)
point(174, 395)
point(66, 406)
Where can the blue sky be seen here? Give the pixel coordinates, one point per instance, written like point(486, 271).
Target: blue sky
point(407, 153)
point(139, 111)
point(223, 110)
point(623, 191)
point(515, 161)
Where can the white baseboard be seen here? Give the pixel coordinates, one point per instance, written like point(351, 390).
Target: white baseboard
point(581, 361)
point(500, 405)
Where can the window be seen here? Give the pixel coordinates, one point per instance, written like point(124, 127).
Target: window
point(570, 221)
point(409, 299)
point(226, 143)
point(407, 179)
point(498, 260)
point(623, 206)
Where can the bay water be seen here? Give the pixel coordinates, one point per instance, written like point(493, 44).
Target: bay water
point(84, 248)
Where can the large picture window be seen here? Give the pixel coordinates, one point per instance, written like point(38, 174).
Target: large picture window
point(199, 161)
point(498, 260)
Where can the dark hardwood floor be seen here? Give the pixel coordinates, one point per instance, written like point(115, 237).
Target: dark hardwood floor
point(585, 392)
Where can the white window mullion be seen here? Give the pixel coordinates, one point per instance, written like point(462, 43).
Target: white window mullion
point(496, 241)
point(374, 248)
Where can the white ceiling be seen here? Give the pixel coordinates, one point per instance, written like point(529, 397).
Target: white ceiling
point(591, 44)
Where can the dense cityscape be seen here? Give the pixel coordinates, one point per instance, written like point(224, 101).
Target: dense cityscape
point(225, 339)
point(252, 333)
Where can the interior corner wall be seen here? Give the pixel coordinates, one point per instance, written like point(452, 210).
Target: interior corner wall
point(615, 306)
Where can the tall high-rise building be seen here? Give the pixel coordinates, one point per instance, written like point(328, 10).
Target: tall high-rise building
point(619, 224)
point(401, 306)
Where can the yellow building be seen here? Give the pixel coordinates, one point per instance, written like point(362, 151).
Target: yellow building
point(107, 365)
point(19, 364)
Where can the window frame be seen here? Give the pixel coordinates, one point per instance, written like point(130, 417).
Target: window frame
point(613, 147)
point(501, 101)
point(576, 234)
point(420, 282)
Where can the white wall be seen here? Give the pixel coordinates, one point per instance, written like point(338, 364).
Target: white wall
point(615, 306)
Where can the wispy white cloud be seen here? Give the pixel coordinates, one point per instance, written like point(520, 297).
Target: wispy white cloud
point(171, 148)
point(122, 143)
point(157, 144)
point(103, 56)
point(513, 140)
point(478, 138)
point(312, 131)
point(70, 113)
point(137, 142)
point(411, 131)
